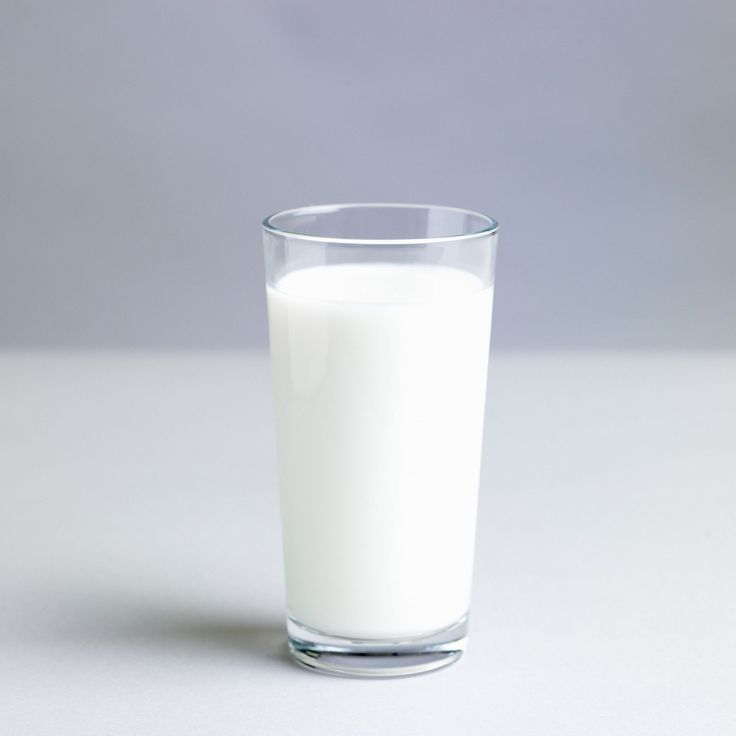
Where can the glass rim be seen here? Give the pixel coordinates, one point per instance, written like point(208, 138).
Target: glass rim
point(489, 228)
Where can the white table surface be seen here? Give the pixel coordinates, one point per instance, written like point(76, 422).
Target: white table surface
point(140, 578)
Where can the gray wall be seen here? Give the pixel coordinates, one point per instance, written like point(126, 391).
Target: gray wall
point(142, 142)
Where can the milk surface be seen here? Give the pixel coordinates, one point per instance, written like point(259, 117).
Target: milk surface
point(379, 378)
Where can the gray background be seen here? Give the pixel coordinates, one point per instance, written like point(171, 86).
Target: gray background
point(142, 142)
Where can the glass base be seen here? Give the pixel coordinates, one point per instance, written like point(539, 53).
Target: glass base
point(335, 655)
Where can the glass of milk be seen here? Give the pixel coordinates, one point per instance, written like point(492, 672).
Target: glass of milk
point(380, 321)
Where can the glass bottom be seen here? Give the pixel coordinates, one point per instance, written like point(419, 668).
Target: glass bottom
point(336, 655)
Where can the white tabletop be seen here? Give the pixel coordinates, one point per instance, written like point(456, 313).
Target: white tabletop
point(140, 580)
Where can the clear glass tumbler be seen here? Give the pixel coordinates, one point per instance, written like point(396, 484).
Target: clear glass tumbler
point(380, 320)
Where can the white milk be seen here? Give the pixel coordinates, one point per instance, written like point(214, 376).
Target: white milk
point(380, 377)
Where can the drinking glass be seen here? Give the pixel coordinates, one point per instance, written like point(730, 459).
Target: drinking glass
point(379, 323)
